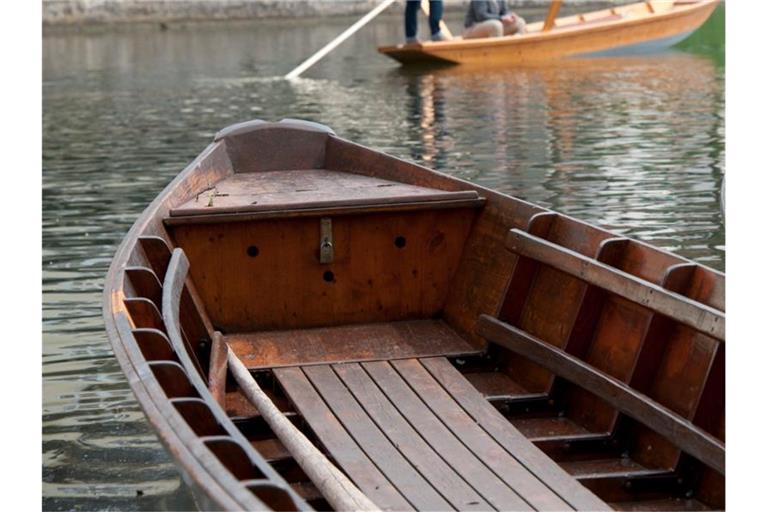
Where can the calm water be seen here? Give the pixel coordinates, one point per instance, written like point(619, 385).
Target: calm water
point(633, 144)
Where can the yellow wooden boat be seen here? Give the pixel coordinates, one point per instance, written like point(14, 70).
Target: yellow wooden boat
point(631, 28)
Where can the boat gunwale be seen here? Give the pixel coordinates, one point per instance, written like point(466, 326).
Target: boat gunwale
point(156, 405)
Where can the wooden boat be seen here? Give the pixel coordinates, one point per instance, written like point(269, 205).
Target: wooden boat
point(298, 314)
point(631, 28)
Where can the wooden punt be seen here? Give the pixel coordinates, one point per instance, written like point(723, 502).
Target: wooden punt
point(632, 28)
point(437, 344)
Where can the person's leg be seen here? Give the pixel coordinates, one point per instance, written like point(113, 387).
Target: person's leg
point(516, 27)
point(411, 20)
point(487, 28)
point(435, 15)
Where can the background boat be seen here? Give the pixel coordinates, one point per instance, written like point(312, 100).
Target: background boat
point(634, 28)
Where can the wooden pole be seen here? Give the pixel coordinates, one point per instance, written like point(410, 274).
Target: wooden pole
point(554, 8)
point(340, 492)
point(325, 50)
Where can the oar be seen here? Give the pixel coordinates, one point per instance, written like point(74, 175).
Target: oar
point(334, 485)
point(325, 50)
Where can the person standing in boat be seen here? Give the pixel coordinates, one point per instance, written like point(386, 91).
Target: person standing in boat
point(411, 20)
point(491, 18)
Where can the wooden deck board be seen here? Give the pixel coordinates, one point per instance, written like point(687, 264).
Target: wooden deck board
point(432, 447)
point(510, 438)
point(362, 342)
point(408, 441)
point(339, 443)
point(306, 189)
point(472, 467)
point(414, 487)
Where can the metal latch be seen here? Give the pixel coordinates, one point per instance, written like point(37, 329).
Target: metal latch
point(326, 241)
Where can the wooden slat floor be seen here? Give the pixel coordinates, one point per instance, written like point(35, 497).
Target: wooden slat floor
point(416, 434)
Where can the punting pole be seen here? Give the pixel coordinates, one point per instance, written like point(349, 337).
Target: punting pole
point(554, 8)
point(334, 485)
point(325, 50)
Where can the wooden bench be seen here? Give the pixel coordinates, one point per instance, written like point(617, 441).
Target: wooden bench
point(708, 320)
point(415, 434)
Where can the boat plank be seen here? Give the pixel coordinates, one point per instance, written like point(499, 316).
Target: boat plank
point(443, 476)
point(486, 473)
point(311, 188)
point(504, 433)
point(414, 487)
point(338, 442)
point(364, 342)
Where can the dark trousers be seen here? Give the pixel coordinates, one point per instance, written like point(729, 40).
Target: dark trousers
point(411, 16)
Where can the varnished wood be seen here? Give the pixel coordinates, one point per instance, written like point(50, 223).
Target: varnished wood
point(363, 342)
point(308, 189)
point(217, 373)
point(171, 299)
point(371, 278)
point(499, 397)
point(332, 483)
point(369, 477)
point(579, 34)
point(699, 316)
point(498, 428)
point(689, 437)
point(549, 21)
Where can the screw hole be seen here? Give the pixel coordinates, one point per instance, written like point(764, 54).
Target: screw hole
point(328, 276)
point(400, 242)
point(252, 251)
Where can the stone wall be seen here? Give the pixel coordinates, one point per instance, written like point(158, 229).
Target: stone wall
point(61, 12)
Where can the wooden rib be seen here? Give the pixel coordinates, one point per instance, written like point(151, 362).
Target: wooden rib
point(173, 287)
point(144, 313)
point(691, 313)
point(541, 475)
point(173, 379)
point(198, 416)
point(154, 344)
point(414, 487)
point(609, 252)
point(409, 442)
point(687, 436)
point(146, 283)
point(217, 371)
point(158, 253)
point(486, 474)
point(525, 271)
point(338, 442)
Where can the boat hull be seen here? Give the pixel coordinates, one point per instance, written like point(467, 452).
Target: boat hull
point(614, 36)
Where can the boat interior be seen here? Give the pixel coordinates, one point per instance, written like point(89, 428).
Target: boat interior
point(445, 346)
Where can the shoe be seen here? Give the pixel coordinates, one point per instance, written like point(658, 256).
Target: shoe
point(412, 40)
point(439, 36)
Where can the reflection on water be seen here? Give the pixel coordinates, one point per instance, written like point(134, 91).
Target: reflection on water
point(632, 144)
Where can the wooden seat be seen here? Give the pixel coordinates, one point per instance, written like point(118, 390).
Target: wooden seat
point(415, 434)
point(272, 194)
point(358, 342)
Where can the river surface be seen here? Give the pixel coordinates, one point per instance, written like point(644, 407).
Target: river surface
point(633, 144)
